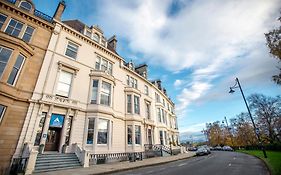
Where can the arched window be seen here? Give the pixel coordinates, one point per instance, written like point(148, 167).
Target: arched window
point(96, 37)
point(25, 5)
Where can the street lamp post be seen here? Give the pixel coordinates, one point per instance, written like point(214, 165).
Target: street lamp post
point(237, 85)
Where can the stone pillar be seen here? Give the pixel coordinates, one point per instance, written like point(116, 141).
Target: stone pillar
point(63, 131)
point(46, 125)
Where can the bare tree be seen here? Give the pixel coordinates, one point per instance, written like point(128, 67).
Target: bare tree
point(267, 111)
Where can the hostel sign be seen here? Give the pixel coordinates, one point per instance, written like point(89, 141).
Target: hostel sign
point(56, 120)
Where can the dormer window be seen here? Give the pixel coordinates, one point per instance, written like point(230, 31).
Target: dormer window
point(25, 5)
point(96, 37)
point(88, 33)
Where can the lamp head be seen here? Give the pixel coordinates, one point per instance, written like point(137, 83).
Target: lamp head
point(231, 91)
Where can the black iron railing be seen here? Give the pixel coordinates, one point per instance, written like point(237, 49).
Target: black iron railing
point(43, 16)
point(115, 157)
point(19, 165)
point(12, 1)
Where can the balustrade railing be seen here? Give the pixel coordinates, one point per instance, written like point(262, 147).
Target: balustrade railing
point(114, 157)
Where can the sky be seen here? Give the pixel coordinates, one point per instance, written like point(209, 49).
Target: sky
point(196, 47)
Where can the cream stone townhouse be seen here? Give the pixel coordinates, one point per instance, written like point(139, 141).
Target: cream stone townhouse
point(89, 102)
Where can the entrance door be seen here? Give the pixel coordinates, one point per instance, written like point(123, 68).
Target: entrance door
point(53, 139)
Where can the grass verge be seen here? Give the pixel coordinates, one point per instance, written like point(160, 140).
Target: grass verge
point(273, 160)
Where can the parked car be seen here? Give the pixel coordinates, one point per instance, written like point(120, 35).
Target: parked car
point(192, 149)
point(218, 148)
point(206, 147)
point(201, 151)
point(227, 148)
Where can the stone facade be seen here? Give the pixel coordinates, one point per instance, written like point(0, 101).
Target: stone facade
point(24, 38)
point(87, 99)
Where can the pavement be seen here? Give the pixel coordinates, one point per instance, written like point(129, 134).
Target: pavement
point(120, 166)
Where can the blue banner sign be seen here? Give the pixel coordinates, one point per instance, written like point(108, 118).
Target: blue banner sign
point(56, 120)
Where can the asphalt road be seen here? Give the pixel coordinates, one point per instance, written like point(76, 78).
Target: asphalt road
point(216, 163)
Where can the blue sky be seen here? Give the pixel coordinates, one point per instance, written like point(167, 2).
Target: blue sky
point(196, 47)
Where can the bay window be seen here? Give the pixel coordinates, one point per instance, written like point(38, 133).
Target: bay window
point(91, 127)
point(95, 92)
point(102, 131)
point(136, 104)
point(137, 134)
point(2, 19)
point(16, 69)
point(103, 65)
point(129, 104)
point(14, 28)
point(130, 134)
point(4, 58)
point(2, 111)
point(105, 93)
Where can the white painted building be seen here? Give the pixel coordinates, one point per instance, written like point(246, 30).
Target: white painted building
point(88, 98)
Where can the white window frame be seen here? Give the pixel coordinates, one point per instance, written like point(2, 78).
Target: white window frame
point(31, 35)
point(99, 61)
point(108, 130)
point(74, 44)
point(93, 141)
point(2, 112)
point(24, 7)
point(19, 70)
point(140, 139)
point(19, 36)
point(1, 47)
point(70, 85)
point(146, 90)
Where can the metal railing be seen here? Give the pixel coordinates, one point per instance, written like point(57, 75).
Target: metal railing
point(114, 157)
point(11, 1)
point(19, 165)
point(43, 16)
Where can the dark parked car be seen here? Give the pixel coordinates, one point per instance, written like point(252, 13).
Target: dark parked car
point(192, 149)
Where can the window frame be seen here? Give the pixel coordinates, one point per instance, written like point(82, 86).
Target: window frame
point(70, 85)
point(28, 34)
point(19, 69)
point(101, 92)
point(138, 134)
point(92, 131)
point(66, 49)
point(136, 104)
point(1, 48)
point(146, 90)
point(95, 90)
point(2, 24)
point(24, 8)
point(20, 31)
point(2, 113)
point(99, 65)
point(107, 131)
point(130, 134)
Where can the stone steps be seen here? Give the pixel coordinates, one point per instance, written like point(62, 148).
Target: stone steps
point(54, 162)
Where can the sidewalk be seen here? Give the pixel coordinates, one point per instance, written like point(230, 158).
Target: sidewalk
point(119, 166)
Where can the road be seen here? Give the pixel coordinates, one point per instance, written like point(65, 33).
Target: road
point(216, 163)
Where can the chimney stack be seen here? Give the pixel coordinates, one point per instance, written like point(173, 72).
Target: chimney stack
point(113, 42)
point(59, 11)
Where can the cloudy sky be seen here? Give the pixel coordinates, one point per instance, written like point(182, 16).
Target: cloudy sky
point(196, 47)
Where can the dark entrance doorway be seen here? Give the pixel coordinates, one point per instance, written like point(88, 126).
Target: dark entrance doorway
point(53, 139)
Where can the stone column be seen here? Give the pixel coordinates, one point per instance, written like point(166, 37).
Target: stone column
point(46, 125)
point(63, 130)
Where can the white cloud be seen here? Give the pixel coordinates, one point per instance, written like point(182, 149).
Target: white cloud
point(208, 36)
point(177, 83)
